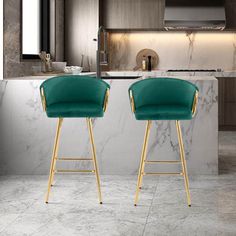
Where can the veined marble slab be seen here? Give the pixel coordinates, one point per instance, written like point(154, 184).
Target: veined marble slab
point(27, 134)
point(154, 73)
point(157, 73)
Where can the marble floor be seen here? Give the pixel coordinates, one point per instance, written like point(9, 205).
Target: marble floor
point(74, 209)
point(162, 209)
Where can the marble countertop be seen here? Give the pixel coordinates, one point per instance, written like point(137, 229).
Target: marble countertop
point(43, 77)
point(145, 74)
point(167, 73)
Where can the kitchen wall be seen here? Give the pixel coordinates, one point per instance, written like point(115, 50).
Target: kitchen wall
point(81, 26)
point(13, 65)
point(58, 32)
point(1, 41)
point(176, 50)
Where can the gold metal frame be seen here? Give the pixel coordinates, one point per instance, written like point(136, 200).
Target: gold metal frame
point(183, 161)
point(43, 99)
point(132, 101)
point(144, 161)
point(106, 100)
point(55, 158)
point(195, 102)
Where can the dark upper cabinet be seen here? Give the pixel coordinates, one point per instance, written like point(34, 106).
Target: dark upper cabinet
point(146, 14)
point(230, 9)
point(132, 14)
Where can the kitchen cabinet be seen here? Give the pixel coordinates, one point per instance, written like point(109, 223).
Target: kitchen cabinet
point(132, 14)
point(221, 90)
point(230, 10)
point(146, 15)
point(81, 26)
point(227, 103)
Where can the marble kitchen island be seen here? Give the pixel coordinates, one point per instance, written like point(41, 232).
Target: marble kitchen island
point(27, 134)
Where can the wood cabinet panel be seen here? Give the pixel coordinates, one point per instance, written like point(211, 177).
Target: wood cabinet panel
point(147, 15)
point(132, 14)
point(221, 89)
point(227, 103)
point(230, 8)
point(230, 114)
point(230, 89)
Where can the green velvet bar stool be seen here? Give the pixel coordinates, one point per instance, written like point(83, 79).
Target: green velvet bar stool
point(74, 97)
point(163, 99)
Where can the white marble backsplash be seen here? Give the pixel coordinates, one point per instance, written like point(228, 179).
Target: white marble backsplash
point(202, 50)
point(27, 134)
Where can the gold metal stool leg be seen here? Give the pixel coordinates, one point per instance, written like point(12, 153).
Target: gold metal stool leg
point(89, 123)
point(183, 162)
point(54, 155)
point(53, 172)
point(143, 158)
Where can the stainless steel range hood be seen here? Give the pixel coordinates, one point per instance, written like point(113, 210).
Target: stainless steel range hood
point(194, 15)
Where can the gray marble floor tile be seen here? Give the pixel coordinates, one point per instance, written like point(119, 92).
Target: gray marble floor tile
point(73, 206)
point(213, 210)
point(6, 219)
point(74, 210)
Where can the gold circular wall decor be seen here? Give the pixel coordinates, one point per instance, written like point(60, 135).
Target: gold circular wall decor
point(144, 53)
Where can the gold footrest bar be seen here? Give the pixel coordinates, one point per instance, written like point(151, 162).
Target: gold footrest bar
point(78, 171)
point(166, 162)
point(73, 159)
point(162, 173)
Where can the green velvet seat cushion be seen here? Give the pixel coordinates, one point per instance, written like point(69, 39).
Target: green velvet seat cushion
point(163, 99)
point(75, 110)
point(74, 96)
point(163, 112)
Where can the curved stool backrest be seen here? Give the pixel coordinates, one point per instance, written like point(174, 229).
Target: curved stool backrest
point(74, 89)
point(163, 91)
